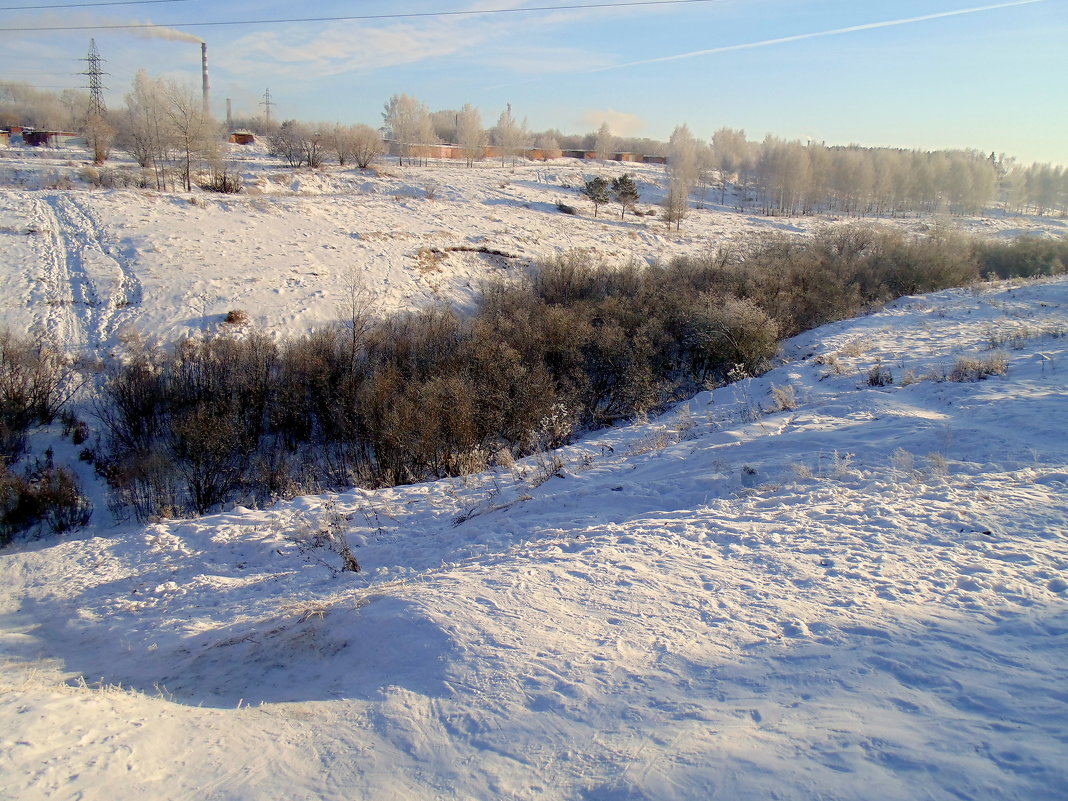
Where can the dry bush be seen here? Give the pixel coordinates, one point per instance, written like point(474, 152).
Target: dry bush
point(853, 348)
point(830, 360)
point(783, 398)
point(328, 533)
point(46, 496)
point(939, 465)
point(236, 317)
point(880, 376)
point(36, 379)
point(1025, 257)
point(975, 368)
point(220, 178)
point(573, 345)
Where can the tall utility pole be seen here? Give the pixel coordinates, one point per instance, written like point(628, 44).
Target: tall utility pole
point(98, 133)
point(95, 71)
point(267, 106)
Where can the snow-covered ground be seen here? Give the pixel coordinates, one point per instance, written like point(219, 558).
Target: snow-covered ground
point(87, 264)
point(860, 597)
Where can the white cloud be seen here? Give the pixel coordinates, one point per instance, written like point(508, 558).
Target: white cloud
point(348, 48)
point(496, 42)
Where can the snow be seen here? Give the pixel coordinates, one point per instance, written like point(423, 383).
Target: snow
point(287, 250)
point(864, 596)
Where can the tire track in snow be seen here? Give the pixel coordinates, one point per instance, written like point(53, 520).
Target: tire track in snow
point(128, 297)
point(60, 291)
point(101, 279)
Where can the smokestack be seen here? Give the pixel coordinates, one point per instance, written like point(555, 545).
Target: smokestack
point(229, 115)
point(204, 70)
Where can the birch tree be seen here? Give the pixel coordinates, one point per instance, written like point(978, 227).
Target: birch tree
point(682, 170)
point(509, 136)
point(408, 123)
point(469, 133)
point(193, 129)
point(142, 129)
point(604, 142)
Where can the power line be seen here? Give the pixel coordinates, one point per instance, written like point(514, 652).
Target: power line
point(267, 104)
point(90, 5)
point(359, 17)
point(95, 71)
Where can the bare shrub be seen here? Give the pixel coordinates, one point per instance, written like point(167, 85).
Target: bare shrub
point(1025, 257)
point(853, 348)
point(728, 331)
point(975, 368)
point(547, 464)
point(221, 178)
point(90, 174)
point(361, 144)
point(47, 496)
point(328, 532)
point(838, 465)
point(938, 463)
point(36, 379)
point(880, 376)
point(904, 462)
point(236, 317)
point(830, 360)
point(573, 345)
point(113, 179)
point(783, 398)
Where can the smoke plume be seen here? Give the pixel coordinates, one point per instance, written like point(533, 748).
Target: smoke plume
point(162, 32)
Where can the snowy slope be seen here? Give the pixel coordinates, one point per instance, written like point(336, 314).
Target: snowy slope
point(87, 264)
point(861, 597)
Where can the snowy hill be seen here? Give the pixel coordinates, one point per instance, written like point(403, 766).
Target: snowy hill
point(90, 265)
point(811, 584)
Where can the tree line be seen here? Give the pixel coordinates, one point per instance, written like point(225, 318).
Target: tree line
point(164, 126)
point(790, 177)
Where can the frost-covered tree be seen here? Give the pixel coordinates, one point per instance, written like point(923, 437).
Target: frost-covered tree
point(509, 136)
point(195, 132)
point(408, 123)
point(445, 123)
point(682, 170)
point(367, 145)
point(22, 104)
point(729, 155)
point(547, 142)
point(342, 139)
point(469, 133)
point(676, 203)
point(143, 132)
point(604, 142)
point(288, 143)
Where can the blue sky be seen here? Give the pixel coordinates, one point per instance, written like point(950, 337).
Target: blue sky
point(918, 74)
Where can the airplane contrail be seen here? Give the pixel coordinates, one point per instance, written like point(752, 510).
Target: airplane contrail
point(802, 36)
